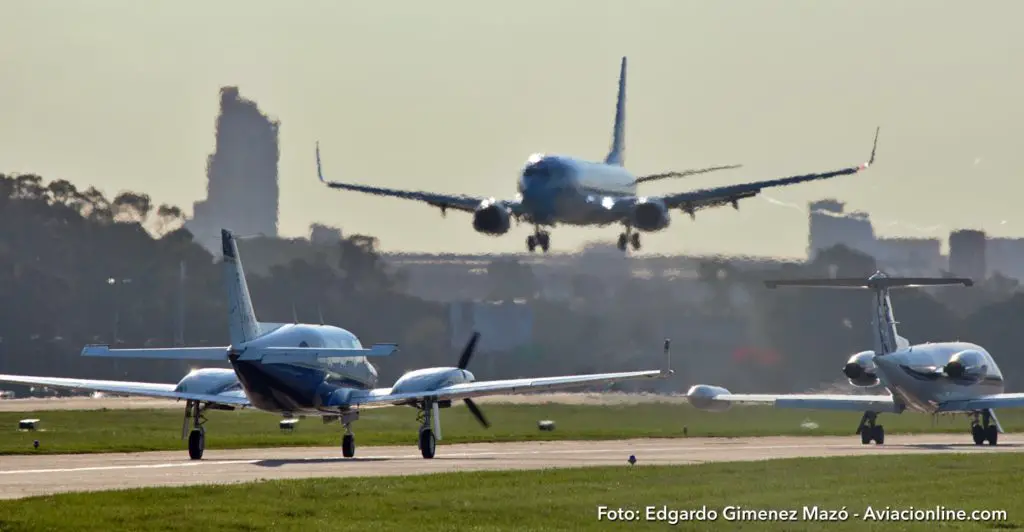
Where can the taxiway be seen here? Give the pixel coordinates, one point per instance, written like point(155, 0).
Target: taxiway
point(28, 475)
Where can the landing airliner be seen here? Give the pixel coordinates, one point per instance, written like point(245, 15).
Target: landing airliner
point(309, 369)
point(558, 189)
point(928, 378)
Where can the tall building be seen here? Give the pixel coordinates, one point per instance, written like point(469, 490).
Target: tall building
point(1005, 256)
point(242, 190)
point(967, 254)
point(829, 226)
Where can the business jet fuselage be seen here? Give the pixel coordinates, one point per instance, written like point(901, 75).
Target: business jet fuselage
point(925, 376)
point(930, 377)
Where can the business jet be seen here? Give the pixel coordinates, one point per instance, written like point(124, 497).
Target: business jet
point(928, 378)
point(558, 189)
point(309, 369)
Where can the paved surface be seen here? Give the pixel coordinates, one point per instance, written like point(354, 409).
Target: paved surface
point(22, 476)
point(131, 403)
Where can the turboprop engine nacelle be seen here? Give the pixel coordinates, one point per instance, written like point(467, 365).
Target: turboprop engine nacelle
point(703, 396)
point(429, 379)
point(209, 381)
point(491, 218)
point(650, 215)
point(861, 369)
point(966, 365)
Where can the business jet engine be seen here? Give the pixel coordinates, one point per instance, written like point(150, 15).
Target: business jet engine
point(966, 365)
point(491, 218)
point(702, 396)
point(650, 215)
point(861, 369)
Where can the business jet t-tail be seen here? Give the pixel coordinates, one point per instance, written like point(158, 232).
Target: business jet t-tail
point(558, 189)
point(309, 369)
point(929, 378)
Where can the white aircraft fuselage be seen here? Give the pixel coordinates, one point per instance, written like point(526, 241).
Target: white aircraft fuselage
point(925, 376)
point(558, 189)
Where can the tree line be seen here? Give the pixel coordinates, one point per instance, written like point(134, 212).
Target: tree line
point(77, 267)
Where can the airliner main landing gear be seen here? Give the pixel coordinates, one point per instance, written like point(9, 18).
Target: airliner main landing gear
point(538, 238)
point(629, 237)
point(985, 429)
point(868, 430)
point(197, 436)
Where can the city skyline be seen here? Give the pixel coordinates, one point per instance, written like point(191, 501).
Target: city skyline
point(124, 98)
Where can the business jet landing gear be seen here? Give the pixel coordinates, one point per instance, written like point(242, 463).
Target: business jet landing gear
point(197, 436)
point(538, 238)
point(869, 431)
point(629, 237)
point(427, 419)
point(985, 429)
point(348, 441)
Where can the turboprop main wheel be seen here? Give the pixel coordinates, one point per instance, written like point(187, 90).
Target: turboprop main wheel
point(531, 243)
point(348, 445)
point(634, 240)
point(978, 433)
point(427, 443)
point(196, 444)
point(879, 434)
point(991, 434)
point(623, 240)
point(865, 435)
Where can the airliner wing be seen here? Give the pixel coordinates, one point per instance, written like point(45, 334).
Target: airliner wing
point(443, 201)
point(718, 196)
point(859, 403)
point(145, 389)
point(383, 396)
point(1001, 400)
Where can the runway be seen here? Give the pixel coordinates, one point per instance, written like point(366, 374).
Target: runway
point(37, 404)
point(23, 476)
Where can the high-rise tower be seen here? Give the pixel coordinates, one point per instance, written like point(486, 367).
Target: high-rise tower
point(242, 191)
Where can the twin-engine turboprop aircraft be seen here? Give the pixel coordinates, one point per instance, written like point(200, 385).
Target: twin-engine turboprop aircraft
point(928, 378)
point(309, 369)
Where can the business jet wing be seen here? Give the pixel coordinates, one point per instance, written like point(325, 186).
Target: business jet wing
point(693, 201)
point(145, 389)
point(442, 201)
point(1000, 400)
point(858, 403)
point(383, 396)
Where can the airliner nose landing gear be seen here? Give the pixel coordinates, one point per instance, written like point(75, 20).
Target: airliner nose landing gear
point(538, 238)
point(985, 429)
point(629, 237)
point(869, 431)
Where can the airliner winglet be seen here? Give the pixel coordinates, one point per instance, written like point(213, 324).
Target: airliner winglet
point(319, 168)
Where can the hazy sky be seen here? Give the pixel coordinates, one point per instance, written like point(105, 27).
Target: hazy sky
point(452, 96)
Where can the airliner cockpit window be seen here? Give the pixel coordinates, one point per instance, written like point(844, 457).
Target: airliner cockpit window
point(544, 169)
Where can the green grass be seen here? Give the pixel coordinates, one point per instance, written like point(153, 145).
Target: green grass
point(557, 499)
point(150, 430)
